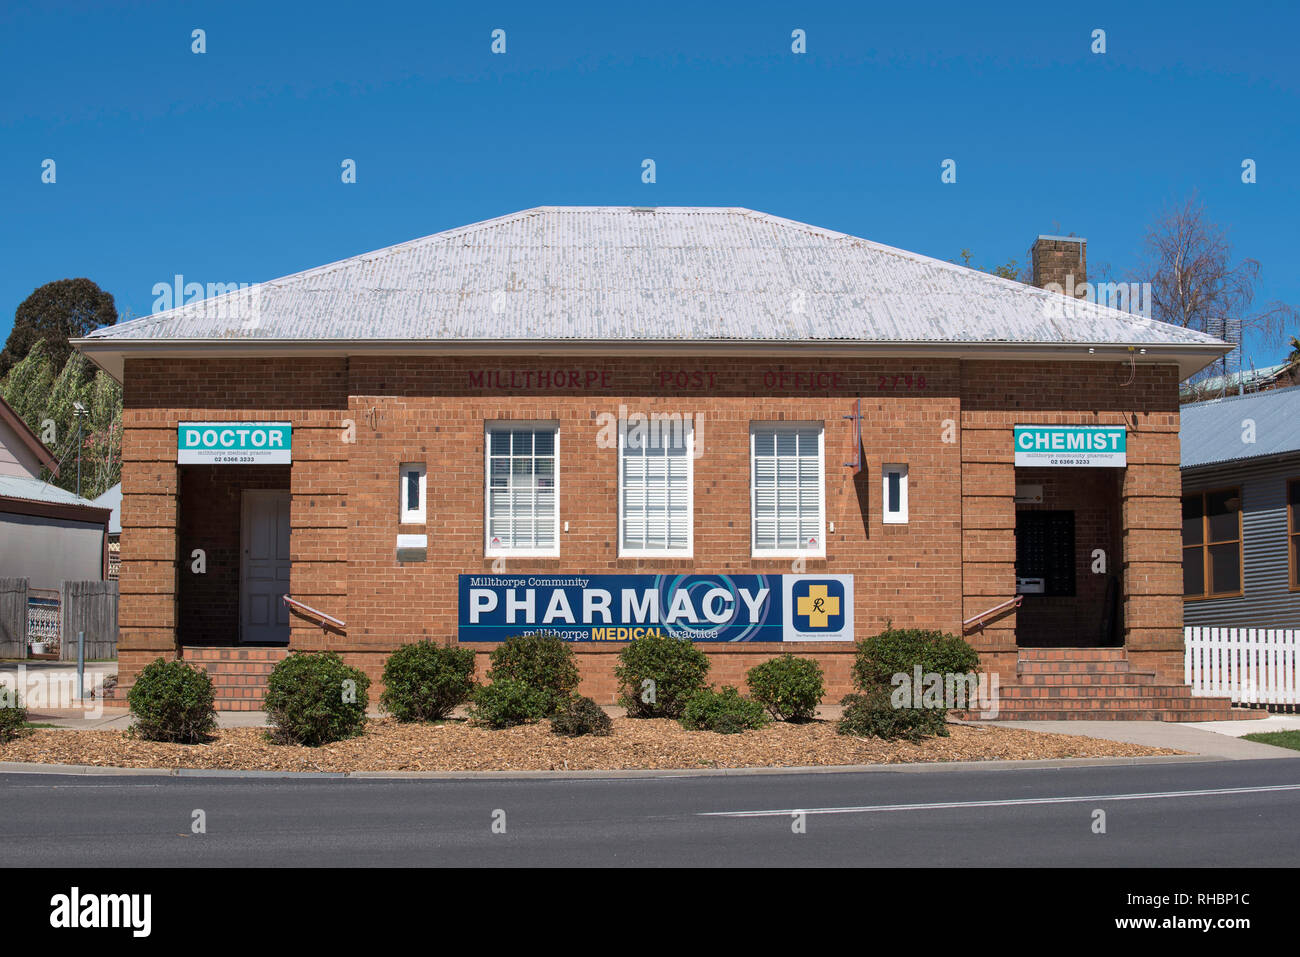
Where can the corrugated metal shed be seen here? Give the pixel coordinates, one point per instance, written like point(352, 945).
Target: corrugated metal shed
point(1215, 431)
point(622, 273)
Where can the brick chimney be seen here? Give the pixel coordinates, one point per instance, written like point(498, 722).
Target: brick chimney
point(1060, 260)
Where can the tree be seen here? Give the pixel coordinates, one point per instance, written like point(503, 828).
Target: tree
point(27, 386)
point(56, 312)
point(46, 402)
point(1294, 356)
point(1189, 263)
point(1008, 270)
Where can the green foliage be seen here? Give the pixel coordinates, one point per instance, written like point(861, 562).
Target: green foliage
point(723, 711)
point(45, 401)
point(424, 681)
point(790, 688)
point(27, 386)
point(173, 702)
point(675, 668)
point(881, 713)
point(580, 715)
point(899, 650)
point(313, 698)
point(1011, 269)
point(541, 661)
point(872, 714)
point(13, 716)
point(507, 702)
point(56, 312)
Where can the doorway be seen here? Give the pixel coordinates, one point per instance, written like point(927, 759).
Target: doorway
point(264, 567)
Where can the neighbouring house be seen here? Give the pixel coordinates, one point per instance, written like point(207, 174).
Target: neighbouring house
point(47, 535)
point(1280, 375)
point(756, 434)
point(1241, 510)
point(112, 499)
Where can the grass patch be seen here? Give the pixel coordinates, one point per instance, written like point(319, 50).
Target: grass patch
point(1280, 739)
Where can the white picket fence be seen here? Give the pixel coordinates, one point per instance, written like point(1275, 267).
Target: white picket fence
point(1252, 665)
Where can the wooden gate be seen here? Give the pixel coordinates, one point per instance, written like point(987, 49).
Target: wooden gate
point(90, 606)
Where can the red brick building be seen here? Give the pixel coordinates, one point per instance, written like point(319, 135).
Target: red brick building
point(461, 405)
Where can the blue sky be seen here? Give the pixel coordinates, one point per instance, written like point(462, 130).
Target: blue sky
point(225, 166)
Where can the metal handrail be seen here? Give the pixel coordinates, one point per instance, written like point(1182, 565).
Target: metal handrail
point(978, 620)
point(325, 619)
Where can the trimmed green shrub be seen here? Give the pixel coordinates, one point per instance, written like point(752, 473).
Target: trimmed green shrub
point(790, 688)
point(580, 715)
point(313, 698)
point(424, 681)
point(13, 716)
point(723, 711)
point(885, 709)
point(873, 715)
point(659, 675)
point(173, 702)
point(900, 650)
point(508, 702)
point(541, 661)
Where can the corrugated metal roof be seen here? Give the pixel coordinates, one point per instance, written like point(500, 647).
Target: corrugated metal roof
point(1213, 431)
point(620, 273)
point(34, 490)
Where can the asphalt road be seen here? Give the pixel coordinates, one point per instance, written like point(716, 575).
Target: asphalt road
point(1239, 813)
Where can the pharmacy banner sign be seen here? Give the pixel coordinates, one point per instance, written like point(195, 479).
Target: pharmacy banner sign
point(234, 443)
point(706, 608)
point(1072, 446)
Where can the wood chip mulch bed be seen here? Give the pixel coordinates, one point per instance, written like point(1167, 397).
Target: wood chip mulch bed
point(634, 743)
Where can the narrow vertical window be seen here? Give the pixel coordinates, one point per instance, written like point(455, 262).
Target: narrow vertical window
point(411, 488)
point(656, 496)
point(522, 489)
point(787, 501)
point(895, 494)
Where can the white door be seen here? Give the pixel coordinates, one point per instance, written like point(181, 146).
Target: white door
point(264, 578)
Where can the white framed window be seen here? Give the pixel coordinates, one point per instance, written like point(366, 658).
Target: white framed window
point(522, 489)
point(656, 495)
point(412, 489)
point(787, 489)
point(894, 494)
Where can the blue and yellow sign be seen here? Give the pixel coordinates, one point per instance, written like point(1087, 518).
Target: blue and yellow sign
point(705, 608)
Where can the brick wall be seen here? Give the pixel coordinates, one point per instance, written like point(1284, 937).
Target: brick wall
point(356, 420)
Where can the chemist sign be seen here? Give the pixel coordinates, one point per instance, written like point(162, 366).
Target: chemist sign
point(1072, 446)
point(708, 608)
point(234, 443)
